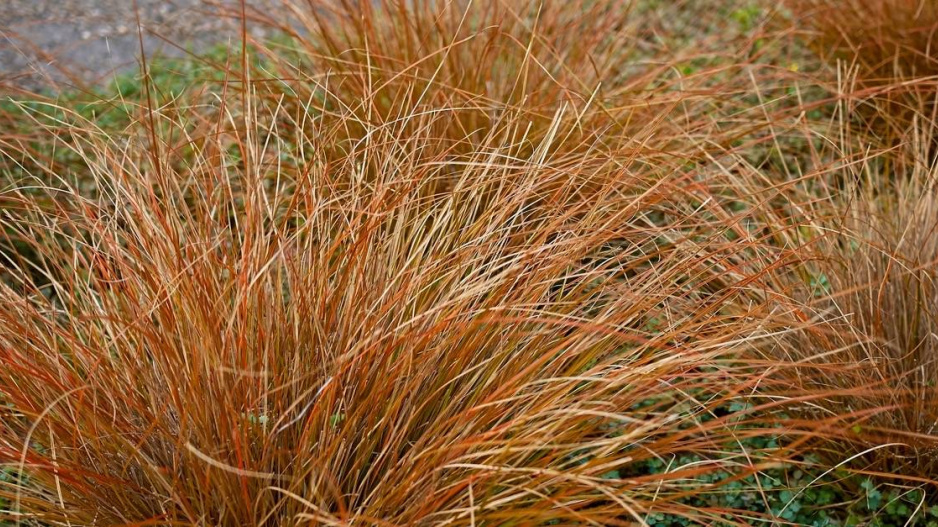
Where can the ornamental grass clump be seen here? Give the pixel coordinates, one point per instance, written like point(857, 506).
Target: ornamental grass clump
point(887, 50)
point(866, 283)
point(223, 339)
point(385, 293)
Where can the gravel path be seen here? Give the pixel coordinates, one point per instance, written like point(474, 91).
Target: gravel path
point(57, 43)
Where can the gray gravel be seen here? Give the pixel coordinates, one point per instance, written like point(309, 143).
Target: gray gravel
point(60, 43)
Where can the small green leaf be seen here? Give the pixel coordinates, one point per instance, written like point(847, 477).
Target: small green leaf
point(255, 419)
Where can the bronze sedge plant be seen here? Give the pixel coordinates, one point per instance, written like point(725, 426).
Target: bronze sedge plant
point(888, 49)
point(329, 298)
point(606, 60)
point(229, 333)
point(888, 39)
point(867, 284)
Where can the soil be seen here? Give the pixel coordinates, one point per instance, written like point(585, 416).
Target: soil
point(56, 44)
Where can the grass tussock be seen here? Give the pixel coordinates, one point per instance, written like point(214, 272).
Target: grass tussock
point(886, 48)
point(357, 348)
point(885, 38)
point(403, 296)
point(499, 262)
point(871, 297)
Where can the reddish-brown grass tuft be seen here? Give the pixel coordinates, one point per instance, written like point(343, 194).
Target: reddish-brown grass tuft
point(863, 303)
point(460, 263)
point(461, 270)
point(888, 52)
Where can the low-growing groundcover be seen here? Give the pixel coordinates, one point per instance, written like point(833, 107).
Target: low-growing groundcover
point(803, 493)
point(802, 490)
point(502, 263)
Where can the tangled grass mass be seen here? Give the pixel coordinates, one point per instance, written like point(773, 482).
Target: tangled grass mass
point(488, 262)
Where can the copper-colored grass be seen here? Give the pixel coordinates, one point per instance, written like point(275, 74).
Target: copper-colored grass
point(455, 272)
point(232, 342)
point(867, 287)
point(887, 38)
point(890, 50)
point(481, 63)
